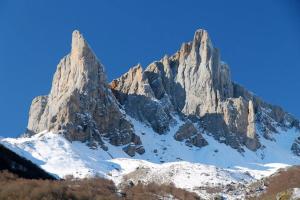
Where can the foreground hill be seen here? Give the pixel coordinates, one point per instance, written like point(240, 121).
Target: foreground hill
point(13, 187)
point(283, 185)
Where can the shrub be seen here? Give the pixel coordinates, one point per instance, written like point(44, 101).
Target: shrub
point(155, 191)
point(14, 188)
point(280, 183)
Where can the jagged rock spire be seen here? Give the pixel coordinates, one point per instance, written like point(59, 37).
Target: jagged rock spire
point(80, 104)
point(194, 83)
point(79, 45)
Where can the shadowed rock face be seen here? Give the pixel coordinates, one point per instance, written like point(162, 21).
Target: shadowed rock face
point(195, 83)
point(134, 91)
point(296, 146)
point(80, 104)
point(191, 135)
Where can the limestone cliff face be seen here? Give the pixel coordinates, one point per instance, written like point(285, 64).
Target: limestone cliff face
point(80, 104)
point(193, 84)
point(204, 79)
point(194, 79)
point(196, 84)
point(135, 92)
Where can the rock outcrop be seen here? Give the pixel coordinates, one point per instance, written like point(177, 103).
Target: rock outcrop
point(196, 84)
point(193, 84)
point(81, 105)
point(191, 135)
point(134, 91)
point(296, 146)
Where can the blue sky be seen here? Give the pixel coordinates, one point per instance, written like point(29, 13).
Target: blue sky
point(260, 40)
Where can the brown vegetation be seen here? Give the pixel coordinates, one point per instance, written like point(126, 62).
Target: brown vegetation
point(153, 191)
point(280, 183)
point(14, 188)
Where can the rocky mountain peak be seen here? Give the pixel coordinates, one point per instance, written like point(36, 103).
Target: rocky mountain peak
point(183, 107)
point(201, 35)
point(80, 104)
point(201, 38)
point(79, 46)
point(80, 70)
point(194, 84)
point(81, 51)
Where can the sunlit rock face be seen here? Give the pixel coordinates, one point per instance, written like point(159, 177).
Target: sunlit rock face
point(196, 84)
point(80, 104)
point(193, 84)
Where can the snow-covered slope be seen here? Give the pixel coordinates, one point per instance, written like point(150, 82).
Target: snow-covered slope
point(225, 138)
point(216, 153)
point(165, 160)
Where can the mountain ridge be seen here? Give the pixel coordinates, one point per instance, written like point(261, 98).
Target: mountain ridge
point(216, 85)
point(193, 83)
point(181, 116)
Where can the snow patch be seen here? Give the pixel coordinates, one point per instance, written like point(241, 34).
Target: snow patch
point(165, 160)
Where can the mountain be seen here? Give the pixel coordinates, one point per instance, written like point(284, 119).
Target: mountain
point(80, 104)
point(181, 120)
point(196, 85)
point(193, 84)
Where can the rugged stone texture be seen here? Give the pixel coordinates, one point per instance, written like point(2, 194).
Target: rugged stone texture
point(134, 92)
point(268, 117)
point(37, 109)
point(133, 148)
point(296, 147)
point(185, 131)
point(190, 134)
point(239, 117)
point(130, 149)
point(80, 105)
point(251, 140)
point(251, 130)
point(198, 141)
point(140, 150)
point(215, 125)
point(236, 115)
point(194, 82)
point(199, 74)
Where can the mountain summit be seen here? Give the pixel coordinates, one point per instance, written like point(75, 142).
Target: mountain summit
point(193, 84)
point(80, 104)
point(181, 120)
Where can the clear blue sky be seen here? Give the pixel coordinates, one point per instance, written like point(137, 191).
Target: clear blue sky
point(260, 40)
